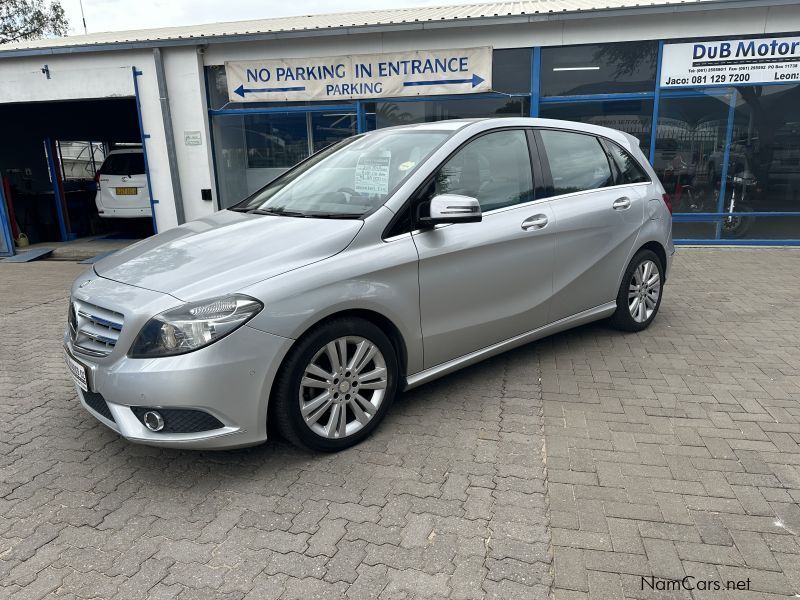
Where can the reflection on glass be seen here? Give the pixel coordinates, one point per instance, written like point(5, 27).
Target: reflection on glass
point(348, 179)
point(495, 169)
point(690, 141)
point(387, 114)
point(275, 141)
point(599, 69)
point(631, 116)
point(763, 169)
point(511, 70)
point(577, 162)
point(329, 128)
point(252, 150)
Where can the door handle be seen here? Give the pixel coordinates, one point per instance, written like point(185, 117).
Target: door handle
point(623, 203)
point(534, 222)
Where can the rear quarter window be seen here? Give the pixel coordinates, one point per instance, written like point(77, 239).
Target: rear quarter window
point(630, 171)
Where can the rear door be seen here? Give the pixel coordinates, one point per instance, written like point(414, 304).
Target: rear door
point(597, 220)
point(482, 283)
point(123, 183)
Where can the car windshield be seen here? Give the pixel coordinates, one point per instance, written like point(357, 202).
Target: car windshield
point(347, 180)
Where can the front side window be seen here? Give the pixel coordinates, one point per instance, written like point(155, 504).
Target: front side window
point(577, 162)
point(495, 168)
point(630, 171)
point(349, 179)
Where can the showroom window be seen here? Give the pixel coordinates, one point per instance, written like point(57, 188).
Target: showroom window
point(599, 69)
point(390, 113)
point(731, 152)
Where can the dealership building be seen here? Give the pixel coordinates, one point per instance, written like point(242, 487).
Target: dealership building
point(711, 89)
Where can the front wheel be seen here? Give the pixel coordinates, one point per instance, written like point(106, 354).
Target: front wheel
point(336, 385)
point(639, 295)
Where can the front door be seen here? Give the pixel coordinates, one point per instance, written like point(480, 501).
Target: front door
point(482, 283)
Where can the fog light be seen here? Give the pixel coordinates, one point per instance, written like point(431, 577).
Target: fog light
point(153, 420)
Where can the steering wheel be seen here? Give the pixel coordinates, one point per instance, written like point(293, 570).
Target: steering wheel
point(348, 191)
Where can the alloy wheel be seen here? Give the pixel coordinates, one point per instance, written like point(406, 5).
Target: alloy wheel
point(342, 387)
point(643, 291)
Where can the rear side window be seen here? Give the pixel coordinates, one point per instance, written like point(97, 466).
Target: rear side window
point(577, 162)
point(630, 171)
point(129, 163)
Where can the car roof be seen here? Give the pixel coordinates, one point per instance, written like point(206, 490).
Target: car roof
point(480, 124)
point(125, 151)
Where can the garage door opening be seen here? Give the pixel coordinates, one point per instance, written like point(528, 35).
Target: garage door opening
point(75, 171)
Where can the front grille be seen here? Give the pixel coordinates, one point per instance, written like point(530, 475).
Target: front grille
point(98, 404)
point(181, 421)
point(94, 330)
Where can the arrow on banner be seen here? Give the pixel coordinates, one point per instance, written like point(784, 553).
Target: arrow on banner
point(241, 90)
point(475, 80)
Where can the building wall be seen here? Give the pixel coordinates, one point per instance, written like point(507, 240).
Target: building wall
point(108, 74)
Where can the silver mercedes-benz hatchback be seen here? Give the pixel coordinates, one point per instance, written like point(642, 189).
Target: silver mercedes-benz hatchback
point(374, 266)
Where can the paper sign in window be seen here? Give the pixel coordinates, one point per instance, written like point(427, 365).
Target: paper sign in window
point(372, 174)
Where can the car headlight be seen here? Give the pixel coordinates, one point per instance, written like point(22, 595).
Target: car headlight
point(193, 326)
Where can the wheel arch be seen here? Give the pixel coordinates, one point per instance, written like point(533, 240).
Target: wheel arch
point(381, 321)
point(659, 250)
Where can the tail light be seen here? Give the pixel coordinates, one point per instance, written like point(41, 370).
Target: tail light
point(97, 179)
point(668, 201)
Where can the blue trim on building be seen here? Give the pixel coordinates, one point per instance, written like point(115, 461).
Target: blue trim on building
point(656, 100)
point(136, 74)
point(710, 217)
point(61, 205)
point(726, 157)
point(753, 242)
point(6, 239)
point(536, 71)
point(598, 97)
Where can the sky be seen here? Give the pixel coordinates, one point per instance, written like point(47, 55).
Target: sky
point(118, 15)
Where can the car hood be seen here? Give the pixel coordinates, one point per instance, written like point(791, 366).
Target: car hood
point(226, 252)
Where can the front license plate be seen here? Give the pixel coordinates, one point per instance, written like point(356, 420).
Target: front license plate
point(77, 370)
point(126, 191)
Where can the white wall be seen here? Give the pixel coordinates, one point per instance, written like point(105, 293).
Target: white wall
point(186, 87)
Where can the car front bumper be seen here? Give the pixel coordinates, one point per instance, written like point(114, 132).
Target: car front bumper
point(230, 379)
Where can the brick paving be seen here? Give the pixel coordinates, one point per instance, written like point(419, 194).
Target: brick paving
point(569, 468)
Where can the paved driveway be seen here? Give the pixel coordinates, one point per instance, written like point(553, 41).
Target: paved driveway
point(669, 453)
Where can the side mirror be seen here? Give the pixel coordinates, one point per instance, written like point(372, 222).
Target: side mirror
point(453, 208)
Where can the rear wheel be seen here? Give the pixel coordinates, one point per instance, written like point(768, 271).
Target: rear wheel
point(639, 296)
point(336, 385)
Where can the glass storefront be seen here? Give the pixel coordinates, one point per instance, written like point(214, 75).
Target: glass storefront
point(729, 157)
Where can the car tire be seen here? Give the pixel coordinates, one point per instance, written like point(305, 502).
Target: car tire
point(637, 305)
point(310, 386)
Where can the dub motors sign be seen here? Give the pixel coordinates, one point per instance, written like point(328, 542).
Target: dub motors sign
point(731, 62)
point(423, 72)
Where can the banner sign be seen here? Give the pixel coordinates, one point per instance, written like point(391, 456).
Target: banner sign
point(420, 73)
point(731, 62)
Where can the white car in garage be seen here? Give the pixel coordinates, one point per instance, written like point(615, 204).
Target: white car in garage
point(122, 190)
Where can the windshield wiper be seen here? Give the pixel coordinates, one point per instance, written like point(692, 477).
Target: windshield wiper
point(337, 215)
point(240, 208)
point(281, 212)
